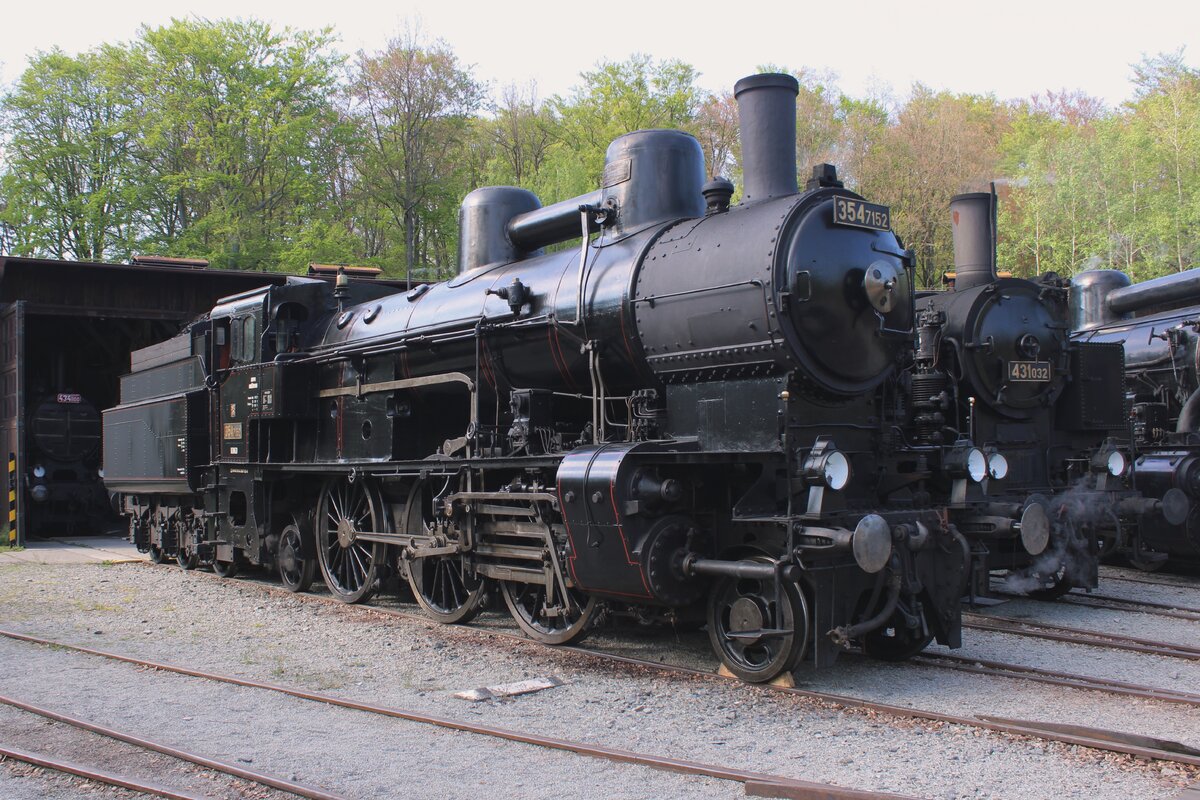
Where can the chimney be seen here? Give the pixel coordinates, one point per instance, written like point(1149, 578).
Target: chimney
point(973, 224)
point(767, 119)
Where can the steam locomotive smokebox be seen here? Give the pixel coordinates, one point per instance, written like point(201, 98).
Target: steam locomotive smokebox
point(653, 176)
point(482, 222)
point(973, 225)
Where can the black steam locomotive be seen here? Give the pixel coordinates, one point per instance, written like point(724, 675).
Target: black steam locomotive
point(995, 363)
point(63, 480)
point(702, 413)
point(1157, 324)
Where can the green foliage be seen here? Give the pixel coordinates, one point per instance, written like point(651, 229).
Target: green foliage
point(939, 145)
point(614, 99)
point(1099, 188)
point(66, 184)
point(226, 118)
point(412, 106)
point(264, 149)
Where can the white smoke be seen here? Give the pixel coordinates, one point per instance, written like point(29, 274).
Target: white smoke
point(1068, 559)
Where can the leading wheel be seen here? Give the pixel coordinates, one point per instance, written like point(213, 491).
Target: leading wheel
point(350, 566)
point(1052, 586)
point(229, 569)
point(758, 632)
point(444, 585)
point(1146, 561)
point(552, 620)
point(185, 558)
point(156, 554)
point(295, 571)
point(895, 641)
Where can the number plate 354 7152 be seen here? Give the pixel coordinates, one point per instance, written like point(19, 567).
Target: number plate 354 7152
point(861, 214)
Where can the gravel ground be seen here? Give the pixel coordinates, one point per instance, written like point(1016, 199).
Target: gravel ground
point(41, 736)
point(236, 627)
point(22, 782)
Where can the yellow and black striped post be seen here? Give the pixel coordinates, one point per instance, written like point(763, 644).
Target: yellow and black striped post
point(12, 499)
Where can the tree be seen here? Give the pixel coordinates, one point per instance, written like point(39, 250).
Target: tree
point(716, 127)
point(618, 98)
point(862, 124)
point(68, 162)
point(227, 118)
point(412, 102)
point(941, 144)
point(1167, 112)
point(1059, 215)
point(521, 133)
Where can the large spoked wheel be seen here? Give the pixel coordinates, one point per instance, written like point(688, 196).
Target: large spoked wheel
point(895, 641)
point(758, 633)
point(350, 566)
point(557, 621)
point(444, 586)
point(295, 571)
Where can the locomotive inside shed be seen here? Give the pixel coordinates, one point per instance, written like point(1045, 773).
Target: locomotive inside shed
point(68, 328)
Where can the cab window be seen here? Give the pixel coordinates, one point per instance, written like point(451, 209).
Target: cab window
point(245, 340)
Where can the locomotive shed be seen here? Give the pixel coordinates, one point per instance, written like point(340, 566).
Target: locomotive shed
point(68, 328)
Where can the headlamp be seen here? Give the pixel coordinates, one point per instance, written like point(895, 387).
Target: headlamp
point(827, 466)
point(997, 466)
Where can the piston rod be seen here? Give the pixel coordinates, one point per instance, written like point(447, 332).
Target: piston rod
point(753, 570)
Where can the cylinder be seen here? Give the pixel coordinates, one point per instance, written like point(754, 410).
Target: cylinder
point(482, 222)
point(1088, 301)
point(767, 119)
point(973, 225)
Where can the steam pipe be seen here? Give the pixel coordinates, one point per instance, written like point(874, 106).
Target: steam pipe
point(767, 119)
point(552, 224)
point(1189, 415)
point(1178, 288)
point(844, 634)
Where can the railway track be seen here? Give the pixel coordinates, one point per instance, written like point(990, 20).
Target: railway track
point(1169, 581)
point(1112, 741)
point(750, 779)
point(149, 745)
point(1114, 603)
point(95, 774)
point(1081, 636)
point(1129, 744)
point(1054, 678)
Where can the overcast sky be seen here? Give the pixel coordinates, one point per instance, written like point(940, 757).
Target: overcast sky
point(1012, 48)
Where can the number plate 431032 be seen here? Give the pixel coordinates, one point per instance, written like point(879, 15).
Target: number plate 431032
point(1029, 371)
